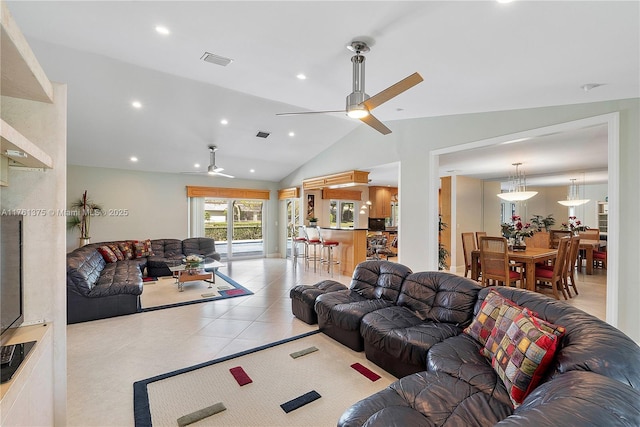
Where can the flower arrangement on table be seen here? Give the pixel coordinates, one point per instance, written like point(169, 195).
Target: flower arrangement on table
point(192, 262)
point(574, 225)
point(517, 230)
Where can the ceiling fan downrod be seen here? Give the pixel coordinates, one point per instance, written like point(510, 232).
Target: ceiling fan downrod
point(358, 96)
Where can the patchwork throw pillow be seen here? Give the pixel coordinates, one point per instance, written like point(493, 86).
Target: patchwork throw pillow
point(484, 321)
point(524, 354)
point(127, 249)
point(107, 254)
point(505, 318)
point(116, 251)
point(142, 249)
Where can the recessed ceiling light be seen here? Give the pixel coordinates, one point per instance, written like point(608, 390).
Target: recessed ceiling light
point(252, 170)
point(292, 134)
point(196, 165)
point(224, 121)
point(136, 104)
point(133, 159)
point(162, 30)
point(301, 76)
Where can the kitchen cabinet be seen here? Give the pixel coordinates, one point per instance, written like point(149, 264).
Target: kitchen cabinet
point(381, 198)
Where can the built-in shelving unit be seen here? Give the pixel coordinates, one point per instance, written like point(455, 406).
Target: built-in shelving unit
point(22, 77)
point(603, 217)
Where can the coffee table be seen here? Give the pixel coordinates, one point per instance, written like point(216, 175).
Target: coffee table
point(182, 275)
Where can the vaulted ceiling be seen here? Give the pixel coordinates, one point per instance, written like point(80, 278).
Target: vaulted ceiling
point(474, 56)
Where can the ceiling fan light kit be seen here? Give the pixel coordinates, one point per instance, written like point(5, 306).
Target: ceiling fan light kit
point(517, 187)
point(359, 104)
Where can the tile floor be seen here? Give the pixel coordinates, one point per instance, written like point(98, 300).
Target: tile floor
point(105, 357)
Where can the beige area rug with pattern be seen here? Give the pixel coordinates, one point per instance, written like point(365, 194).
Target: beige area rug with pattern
point(163, 292)
point(271, 378)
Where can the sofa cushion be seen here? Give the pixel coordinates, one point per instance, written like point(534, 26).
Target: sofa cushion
point(84, 266)
point(167, 248)
point(485, 319)
point(123, 277)
point(107, 254)
point(345, 309)
point(379, 279)
point(399, 333)
point(427, 399)
point(460, 357)
point(524, 354)
point(439, 296)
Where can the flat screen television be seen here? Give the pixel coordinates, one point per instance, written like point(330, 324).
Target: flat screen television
point(11, 291)
point(376, 224)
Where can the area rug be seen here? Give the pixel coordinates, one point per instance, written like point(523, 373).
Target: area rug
point(163, 292)
point(308, 380)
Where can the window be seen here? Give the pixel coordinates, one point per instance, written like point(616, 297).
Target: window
point(342, 214)
point(236, 226)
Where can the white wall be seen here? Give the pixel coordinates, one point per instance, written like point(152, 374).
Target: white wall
point(468, 214)
point(44, 234)
point(156, 203)
point(412, 141)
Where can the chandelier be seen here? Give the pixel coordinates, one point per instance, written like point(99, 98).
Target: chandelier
point(573, 198)
point(517, 191)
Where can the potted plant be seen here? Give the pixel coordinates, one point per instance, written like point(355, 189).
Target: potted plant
point(313, 221)
point(543, 223)
point(83, 209)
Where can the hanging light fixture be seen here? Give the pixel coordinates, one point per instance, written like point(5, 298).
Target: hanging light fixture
point(517, 187)
point(573, 198)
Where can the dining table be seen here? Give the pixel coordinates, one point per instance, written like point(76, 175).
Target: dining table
point(529, 257)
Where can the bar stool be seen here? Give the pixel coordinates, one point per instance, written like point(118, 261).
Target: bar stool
point(328, 246)
point(298, 239)
point(312, 234)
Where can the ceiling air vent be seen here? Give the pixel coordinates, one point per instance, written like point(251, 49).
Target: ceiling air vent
point(262, 134)
point(216, 59)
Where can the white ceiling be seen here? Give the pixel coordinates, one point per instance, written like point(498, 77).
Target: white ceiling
point(474, 56)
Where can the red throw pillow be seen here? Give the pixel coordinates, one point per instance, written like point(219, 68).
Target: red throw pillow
point(116, 251)
point(484, 321)
point(127, 249)
point(107, 254)
point(524, 354)
point(142, 249)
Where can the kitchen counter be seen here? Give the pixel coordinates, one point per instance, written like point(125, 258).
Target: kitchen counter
point(352, 249)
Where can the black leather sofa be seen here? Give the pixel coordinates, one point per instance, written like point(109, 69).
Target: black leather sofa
point(97, 289)
point(593, 379)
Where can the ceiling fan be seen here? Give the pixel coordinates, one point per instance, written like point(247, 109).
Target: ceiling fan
point(212, 169)
point(359, 104)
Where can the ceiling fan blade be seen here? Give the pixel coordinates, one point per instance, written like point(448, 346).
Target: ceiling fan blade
point(222, 174)
point(393, 91)
point(311, 112)
point(376, 124)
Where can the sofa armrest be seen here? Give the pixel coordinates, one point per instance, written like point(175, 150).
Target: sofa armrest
point(578, 398)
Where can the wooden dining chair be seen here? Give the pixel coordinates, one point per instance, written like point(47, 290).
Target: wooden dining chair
point(572, 258)
point(588, 234)
point(494, 259)
point(468, 246)
point(479, 234)
point(539, 239)
point(554, 279)
point(557, 234)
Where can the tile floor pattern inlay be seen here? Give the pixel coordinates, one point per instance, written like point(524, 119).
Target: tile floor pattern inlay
point(105, 357)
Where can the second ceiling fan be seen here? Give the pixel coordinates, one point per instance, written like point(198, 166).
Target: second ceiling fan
point(359, 104)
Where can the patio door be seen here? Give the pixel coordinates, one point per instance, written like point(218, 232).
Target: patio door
point(293, 221)
point(236, 225)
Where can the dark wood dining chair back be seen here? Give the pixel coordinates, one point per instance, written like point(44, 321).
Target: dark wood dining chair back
point(494, 259)
point(555, 278)
point(468, 246)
